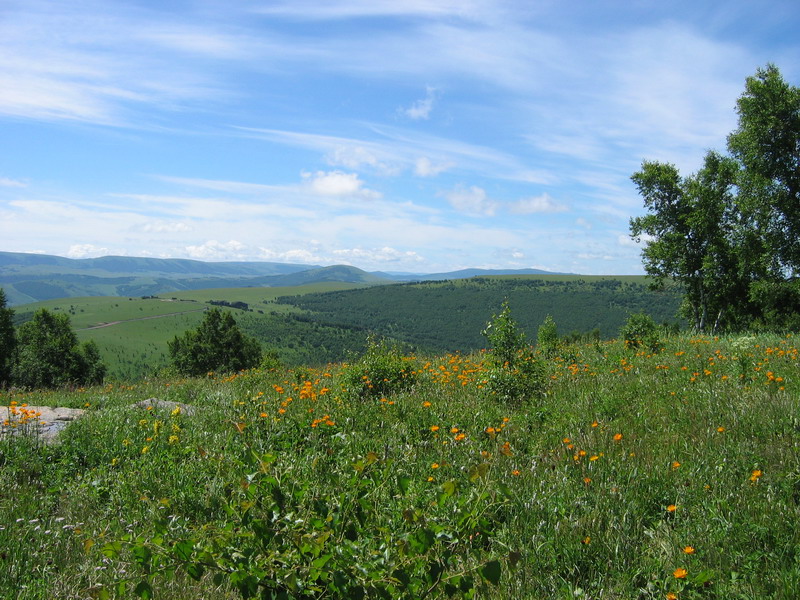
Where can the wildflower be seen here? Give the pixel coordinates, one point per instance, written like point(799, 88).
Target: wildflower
point(587, 480)
point(595, 423)
point(593, 457)
point(435, 465)
point(434, 428)
point(515, 472)
point(720, 429)
point(680, 573)
point(672, 508)
point(756, 474)
point(173, 439)
point(617, 437)
point(454, 430)
point(688, 550)
point(675, 464)
point(460, 437)
point(586, 540)
point(672, 596)
point(426, 404)
point(145, 449)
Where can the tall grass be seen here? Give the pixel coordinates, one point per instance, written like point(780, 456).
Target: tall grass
point(635, 475)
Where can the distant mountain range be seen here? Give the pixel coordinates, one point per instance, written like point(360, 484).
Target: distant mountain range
point(34, 277)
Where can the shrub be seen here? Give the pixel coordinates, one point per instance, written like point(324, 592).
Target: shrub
point(547, 337)
point(49, 354)
point(216, 345)
point(512, 373)
point(381, 371)
point(641, 331)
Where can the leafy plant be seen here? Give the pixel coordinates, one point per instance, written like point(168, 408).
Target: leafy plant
point(513, 373)
point(641, 331)
point(547, 337)
point(216, 344)
point(381, 371)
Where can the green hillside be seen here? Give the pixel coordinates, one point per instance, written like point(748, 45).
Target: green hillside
point(31, 277)
point(326, 322)
point(449, 316)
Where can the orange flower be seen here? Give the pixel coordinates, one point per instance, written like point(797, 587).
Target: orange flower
point(672, 596)
point(756, 474)
point(435, 466)
point(680, 573)
point(434, 428)
point(672, 508)
point(688, 549)
point(675, 464)
point(617, 437)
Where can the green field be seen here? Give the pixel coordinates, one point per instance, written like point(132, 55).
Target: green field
point(635, 475)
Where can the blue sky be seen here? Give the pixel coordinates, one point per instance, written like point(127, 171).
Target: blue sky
point(422, 135)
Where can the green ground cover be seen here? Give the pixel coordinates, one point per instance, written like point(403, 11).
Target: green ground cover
point(636, 475)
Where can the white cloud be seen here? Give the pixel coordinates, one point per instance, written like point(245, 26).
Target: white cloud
point(86, 251)
point(421, 109)
point(472, 200)
point(425, 168)
point(537, 204)
point(165, 227)
point(338, 183)
point(379, 255)
point(213, 249)
point(628, 242)
point(5, 182)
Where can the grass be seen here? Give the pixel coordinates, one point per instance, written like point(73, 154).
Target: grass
point(636, 476)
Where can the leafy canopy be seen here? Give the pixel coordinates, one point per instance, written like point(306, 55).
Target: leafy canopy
point(216, 345)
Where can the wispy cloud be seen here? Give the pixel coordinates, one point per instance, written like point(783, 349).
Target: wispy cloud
point(421, 109)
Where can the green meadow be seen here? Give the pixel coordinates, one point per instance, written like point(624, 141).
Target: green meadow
point(637, 474)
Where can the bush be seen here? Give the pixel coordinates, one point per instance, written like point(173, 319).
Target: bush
point(513, 373)
point(49, 355)
point(381, 371)
point(641, 331)
point(547, 337)
point(216, 345)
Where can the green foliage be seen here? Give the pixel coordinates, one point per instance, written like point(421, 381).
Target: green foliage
point(641, 331)
point(49, 355)
point(434, 494)
point(381, 371)
point(217, 345)
point(547, 337)
point(513, 373)
point(732, 231)
point(8, 340)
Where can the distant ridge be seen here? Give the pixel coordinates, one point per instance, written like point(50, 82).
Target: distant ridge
point(467, 273)
point(34, 277)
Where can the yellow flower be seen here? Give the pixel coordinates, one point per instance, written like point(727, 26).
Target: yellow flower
point(688, 549)
point(756, 474)
point(680, 573)
point(672, 596)
point(435, 466)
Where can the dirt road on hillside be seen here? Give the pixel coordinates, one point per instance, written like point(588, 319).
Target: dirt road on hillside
point(109, 324)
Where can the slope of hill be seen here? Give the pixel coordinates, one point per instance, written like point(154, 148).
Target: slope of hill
point(34, 277)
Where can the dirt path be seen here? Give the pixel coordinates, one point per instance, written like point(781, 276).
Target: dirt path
point(101, 325)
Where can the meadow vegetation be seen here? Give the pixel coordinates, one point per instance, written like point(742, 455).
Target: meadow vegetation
point(635, 472)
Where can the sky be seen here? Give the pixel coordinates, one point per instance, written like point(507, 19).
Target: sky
point(415, 136)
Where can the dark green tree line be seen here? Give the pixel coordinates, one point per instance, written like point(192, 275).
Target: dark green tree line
point(730, 233)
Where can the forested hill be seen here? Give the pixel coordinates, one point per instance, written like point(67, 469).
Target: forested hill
point(450, 315)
